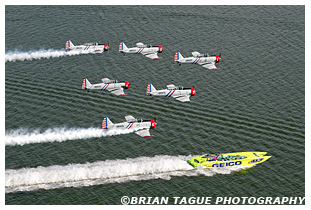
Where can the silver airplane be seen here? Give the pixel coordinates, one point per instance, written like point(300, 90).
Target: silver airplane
point(147, 50)
point(140, 127)
point(92, 47)
point(180, 93)
point(112, 86)
point(205, 60)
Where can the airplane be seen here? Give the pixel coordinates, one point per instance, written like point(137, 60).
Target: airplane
point(147, 50)
point(180, 93)
point(93, 47)
point(205, 60)
point(113, 86)
point(140, 127)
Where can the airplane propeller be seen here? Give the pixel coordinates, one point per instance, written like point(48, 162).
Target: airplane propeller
point(195, 89)
point(218, 55)
point(155, 120)
point(108, 45)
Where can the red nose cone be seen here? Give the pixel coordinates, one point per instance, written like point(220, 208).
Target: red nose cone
point(192, 92)
point(106, 47)
point(217, 59)
point(160, 49)
point(127, 85)
point(153, 123)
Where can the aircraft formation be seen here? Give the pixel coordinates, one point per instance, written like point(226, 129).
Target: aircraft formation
point(141, 127)
point(180, 93)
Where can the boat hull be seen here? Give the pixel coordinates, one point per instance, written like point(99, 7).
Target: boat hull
point(229, 159)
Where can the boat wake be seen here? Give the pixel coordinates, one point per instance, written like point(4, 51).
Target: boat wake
point(105, 172)
point(13, 56)
point(24, 136)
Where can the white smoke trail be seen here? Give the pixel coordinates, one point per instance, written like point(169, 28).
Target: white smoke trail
point(104, 172)
point(30, 55)
point(23, 136)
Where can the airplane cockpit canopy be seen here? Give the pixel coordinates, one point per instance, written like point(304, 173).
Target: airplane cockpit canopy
point(203, 55)
point(141, 45)
point(173, 87)
point(196, 54)
point(112, 81)
point(134, 120)
point(91, 44)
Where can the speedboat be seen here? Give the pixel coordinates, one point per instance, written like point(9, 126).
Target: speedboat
point(229, 159)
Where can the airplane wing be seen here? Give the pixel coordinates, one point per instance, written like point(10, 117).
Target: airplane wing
point(151, 55)
point(130, 118)
point(118, 92)
point(183, 98)
point(143, 133)
point(208, 65)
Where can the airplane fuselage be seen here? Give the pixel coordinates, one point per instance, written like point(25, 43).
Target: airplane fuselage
point(88, 49)
point(92, 47)
point(174, 93)
point(108, 86)
point(134, 126)
point(178, 92)
point(141, 50)
point(140, 127)
point(203, 60)
point(146, 50)
point(198, 60)
point(113, 86)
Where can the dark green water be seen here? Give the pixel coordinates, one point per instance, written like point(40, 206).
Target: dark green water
point(255, 101)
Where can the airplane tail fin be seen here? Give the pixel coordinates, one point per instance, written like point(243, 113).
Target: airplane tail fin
point(178, 57)
point(150, 88)
point(69, 45)
point(86, 84)
point(106, 124)
point(122, 47)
